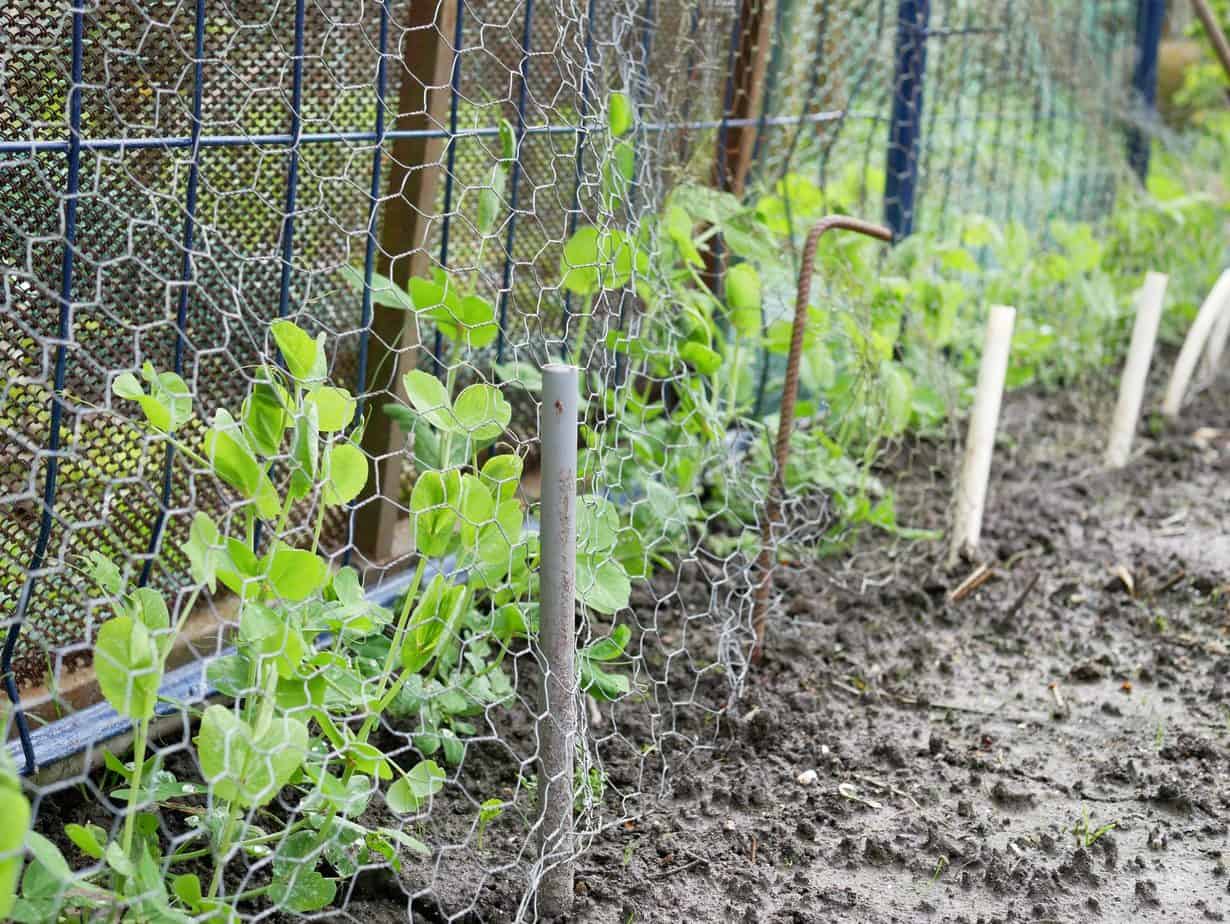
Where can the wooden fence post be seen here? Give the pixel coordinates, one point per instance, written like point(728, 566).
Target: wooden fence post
point(746, 92)
point(413, 176)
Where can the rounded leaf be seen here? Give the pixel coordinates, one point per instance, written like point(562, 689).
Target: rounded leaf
point(481, 412)
point(347, 468)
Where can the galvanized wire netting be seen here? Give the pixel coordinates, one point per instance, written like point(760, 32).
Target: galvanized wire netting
point(465, 191)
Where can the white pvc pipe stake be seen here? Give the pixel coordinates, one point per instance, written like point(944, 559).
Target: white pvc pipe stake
point(1136, 369)
point(1185, 366)
point(1217, 345)
point(557, 721)
point(980, 441)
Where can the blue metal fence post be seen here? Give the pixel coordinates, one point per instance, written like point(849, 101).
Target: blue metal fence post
point(1149, 17)
point(514, 182)
point(64, 333)
point(904, 132)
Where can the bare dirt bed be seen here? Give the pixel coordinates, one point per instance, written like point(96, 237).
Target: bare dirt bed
point(1052, 747)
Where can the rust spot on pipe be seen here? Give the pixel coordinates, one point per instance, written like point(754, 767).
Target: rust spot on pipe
point(790, 394)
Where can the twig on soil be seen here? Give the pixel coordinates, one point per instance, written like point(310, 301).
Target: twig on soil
point(695, 861)
point(849, 791)
point(953, 707)
point(887, 787)
point(1125, 578)
point(976, 579)
point(1022, 554)
point(1021, 597)
point(1170, 582)
point(1209, 648)
point(755, 844)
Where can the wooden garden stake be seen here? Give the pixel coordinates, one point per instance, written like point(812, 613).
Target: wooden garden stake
point(1136, 370)
point(1217, 303)
point(980, 441)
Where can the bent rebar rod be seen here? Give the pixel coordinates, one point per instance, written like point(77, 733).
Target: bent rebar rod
point(790, 393)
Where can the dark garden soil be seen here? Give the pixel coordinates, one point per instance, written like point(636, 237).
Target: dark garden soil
point(900, 757)
point(1053, 746)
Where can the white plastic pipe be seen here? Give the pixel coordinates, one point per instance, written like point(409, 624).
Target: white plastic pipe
point(980, 441)
point(1185, 366)
point(1136, 369)
point(557, 720)
point(1217, 345)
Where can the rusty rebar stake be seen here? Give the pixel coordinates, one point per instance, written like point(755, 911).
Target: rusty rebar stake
point(790, 394)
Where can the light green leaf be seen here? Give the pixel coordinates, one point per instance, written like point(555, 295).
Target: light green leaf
point(743, 294)
point(502, 474)
point(898, 396)
point(594, 260)
point(104, 572)
point(481, 412)
point(230, 675)
point(600, 684)
point(334, 408)
point(597, 525)
point(187, 889)
point(428, 396)
point(346, 466)
point(385, 292)
point(304, 357)
point(619, 114)
point(611, 647)
point(296, 574)
point(56, 873)
point(508, 140)
point(700, 357)
point(469, 320)
point(127, 668)
point(410, 792)
point(264, 414)
point(302, 891)
point(602, 585)
point(264, 634)
point(230, 456)
point(15, 811)
point(434, 519)
point(88, 838)
point(243, 768)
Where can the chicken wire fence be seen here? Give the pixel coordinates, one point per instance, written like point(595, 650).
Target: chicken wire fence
point(247, 244)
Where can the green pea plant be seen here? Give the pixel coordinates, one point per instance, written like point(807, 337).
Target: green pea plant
point(456, 628)
point(678, 439)
point(15, 809)
point(296, 678)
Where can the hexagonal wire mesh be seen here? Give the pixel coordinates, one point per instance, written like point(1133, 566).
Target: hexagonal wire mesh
point(176, 175)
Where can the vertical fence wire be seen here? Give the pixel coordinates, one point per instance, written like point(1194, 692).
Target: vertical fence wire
point(578, 178)
point(370, 244)
point(63, 339)
point(186, 278)
point(514, 180)
point(292, 168)
point(450, 168)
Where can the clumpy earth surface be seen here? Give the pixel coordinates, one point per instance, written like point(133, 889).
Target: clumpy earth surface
point(1050, 744)
point(1050, 747)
